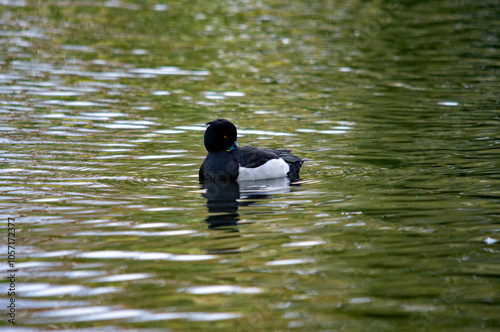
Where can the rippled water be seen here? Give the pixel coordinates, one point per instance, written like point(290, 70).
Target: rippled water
point(394, 226)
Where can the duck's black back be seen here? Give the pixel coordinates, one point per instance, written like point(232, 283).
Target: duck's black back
point(251, 157)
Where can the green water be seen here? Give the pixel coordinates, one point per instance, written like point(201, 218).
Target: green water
point(395, 225)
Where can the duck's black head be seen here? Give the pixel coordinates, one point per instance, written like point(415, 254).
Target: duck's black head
point(220, 135)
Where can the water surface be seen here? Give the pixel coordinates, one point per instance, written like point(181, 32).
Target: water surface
point(394, 226)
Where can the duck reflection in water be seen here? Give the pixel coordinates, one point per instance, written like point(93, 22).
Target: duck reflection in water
point(222, 203)
point(225, 198)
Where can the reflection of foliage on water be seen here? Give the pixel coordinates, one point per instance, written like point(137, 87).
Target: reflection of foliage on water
point(395, 103)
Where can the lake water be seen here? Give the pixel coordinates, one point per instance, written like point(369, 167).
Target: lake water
point(394, 226)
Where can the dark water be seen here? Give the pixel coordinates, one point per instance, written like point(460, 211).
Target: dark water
point(395, 225)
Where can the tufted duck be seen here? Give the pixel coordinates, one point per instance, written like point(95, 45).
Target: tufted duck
point(226, 161)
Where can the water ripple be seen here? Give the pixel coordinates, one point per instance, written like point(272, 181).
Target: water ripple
point(136, 233)
point(168, 71)
point(304, 243)
point(190, 316)
point(44, 290)
point(114, 254)
point(124, 277)
point(221, 289)
point(290, 261)
point(101, 313)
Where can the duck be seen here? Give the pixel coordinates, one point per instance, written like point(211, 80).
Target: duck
point(227, 161)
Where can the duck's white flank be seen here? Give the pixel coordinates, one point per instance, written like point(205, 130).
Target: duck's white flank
point(274, 168)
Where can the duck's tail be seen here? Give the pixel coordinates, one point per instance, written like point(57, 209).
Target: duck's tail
point(294, 162)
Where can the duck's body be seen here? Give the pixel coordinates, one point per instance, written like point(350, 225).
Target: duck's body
point(226, 161)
